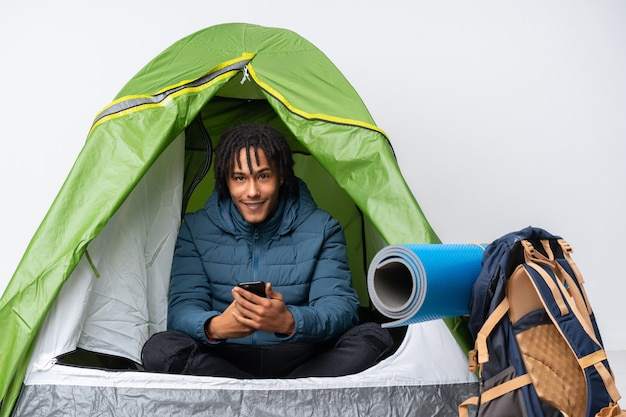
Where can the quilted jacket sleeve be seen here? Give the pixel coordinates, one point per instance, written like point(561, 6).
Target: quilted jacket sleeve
point(333, 303)
point(190, 294)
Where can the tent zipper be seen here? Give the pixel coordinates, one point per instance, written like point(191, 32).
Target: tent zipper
point(135, 103)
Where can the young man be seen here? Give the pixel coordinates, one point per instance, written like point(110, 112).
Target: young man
point(261, 224)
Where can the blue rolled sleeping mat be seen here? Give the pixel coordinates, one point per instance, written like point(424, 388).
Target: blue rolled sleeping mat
point(413, 283)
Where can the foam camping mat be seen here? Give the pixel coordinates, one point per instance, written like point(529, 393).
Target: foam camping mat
point(412, 283)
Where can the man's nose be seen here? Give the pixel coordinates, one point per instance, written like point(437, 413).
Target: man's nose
point(253, 189)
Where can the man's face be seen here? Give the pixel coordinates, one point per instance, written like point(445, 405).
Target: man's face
point(255, 193)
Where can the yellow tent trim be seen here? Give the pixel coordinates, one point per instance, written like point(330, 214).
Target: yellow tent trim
point(306, 115)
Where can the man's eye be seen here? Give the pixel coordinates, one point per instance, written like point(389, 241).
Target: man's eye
point(238, 178)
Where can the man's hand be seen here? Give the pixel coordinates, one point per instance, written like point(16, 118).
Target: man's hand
point(260, 313)
point(225, 325)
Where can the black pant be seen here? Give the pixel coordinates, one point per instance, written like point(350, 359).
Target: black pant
point(356, 350)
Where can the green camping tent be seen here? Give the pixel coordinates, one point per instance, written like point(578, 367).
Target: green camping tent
point(196, 88)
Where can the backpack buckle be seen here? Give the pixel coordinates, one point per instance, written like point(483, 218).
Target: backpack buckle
point(529, 249)
point(567, 248)
point(473, 360)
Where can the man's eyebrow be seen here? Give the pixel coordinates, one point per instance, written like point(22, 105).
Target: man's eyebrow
point(241, 171)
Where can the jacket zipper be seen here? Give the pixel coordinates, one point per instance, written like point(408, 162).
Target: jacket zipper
point(255, 270)
point(255, 255)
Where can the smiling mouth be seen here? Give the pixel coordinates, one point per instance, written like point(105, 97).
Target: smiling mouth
point(254, 206)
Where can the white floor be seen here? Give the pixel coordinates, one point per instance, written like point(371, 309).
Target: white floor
point(617, 361)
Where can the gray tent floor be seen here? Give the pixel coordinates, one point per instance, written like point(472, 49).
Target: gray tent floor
point(73, 400)
point(427, 376)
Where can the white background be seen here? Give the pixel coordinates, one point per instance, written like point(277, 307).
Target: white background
point(503, 114)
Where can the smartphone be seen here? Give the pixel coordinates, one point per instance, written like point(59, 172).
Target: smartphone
point(255, 287)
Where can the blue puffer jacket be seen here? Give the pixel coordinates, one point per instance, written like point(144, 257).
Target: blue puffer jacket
point(301, 250)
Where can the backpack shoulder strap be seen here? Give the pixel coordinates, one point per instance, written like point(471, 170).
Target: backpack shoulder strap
point(560, 282)
point(484, 332)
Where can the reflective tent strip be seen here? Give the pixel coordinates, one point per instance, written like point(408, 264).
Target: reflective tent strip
point(129, 104)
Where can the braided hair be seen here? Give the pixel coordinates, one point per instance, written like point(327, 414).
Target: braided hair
point(254, 136)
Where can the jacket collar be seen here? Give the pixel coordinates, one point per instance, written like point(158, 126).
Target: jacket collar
point(289, 214)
